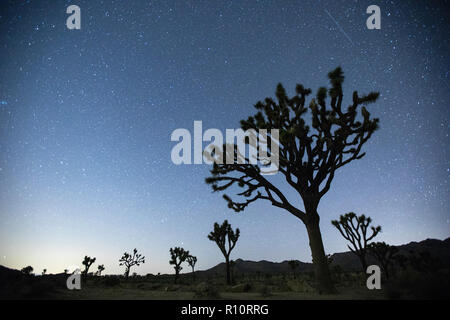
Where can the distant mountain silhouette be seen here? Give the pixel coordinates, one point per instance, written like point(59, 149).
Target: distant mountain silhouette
point(263, 266)
point(437, 248)
point(347, 260)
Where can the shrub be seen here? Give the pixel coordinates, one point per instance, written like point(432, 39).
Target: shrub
point(265, 292)
point(111, 281)
point(206, 291)
point(242, 287)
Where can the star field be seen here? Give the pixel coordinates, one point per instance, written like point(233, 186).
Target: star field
point(86, 117)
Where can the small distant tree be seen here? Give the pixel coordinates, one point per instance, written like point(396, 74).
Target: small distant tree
point(66, 271)
point(177, 257)
point(100, 268)
point(221, 235)
point(294, 264)
point(385, 254)
point(354, 230)
point(87, 262)
point(44, 272)
point(192, 260)
point(128, 260)
point(27, 270)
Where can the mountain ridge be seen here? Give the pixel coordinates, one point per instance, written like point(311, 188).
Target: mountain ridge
point(347, 260)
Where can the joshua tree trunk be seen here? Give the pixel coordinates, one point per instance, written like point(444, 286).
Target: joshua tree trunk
point(320, 262)
point(227, 260)
point(176, 276)
point(127, 272)
point(362, 258)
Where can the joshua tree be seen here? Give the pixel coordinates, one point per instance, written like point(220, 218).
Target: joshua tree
point(27, 270)
point(44, 272)
point(308, 157)
point(221, 235)
point(129, 260)
point(100, 268)
point(232, 265)
point(191, 260)
point(354, 229)
point(294, 264)
point(87, 262)
point(385, 254)
point(177, 257)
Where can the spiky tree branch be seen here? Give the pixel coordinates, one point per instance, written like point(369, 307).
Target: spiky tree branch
point(129, 260)
point(308, 157)
point(354, 229)
point(87, 262)
point(225, 238)
point(100, 269)
point(177, 257)
point(192, 260)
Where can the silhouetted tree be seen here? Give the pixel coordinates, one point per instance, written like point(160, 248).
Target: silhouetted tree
point(66, 271)
point(87, 262)
point(294, 264)
point(385, 254)
point(354, 229)
point(27, 270)
point(308, 157)
point(129, 260)
point(44, 272)
point(191, 260)
point(232, 265)
point(221, 235)
point(100, 268)
point(177, 257)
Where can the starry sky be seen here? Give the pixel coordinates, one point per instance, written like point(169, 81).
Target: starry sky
point(86, 117)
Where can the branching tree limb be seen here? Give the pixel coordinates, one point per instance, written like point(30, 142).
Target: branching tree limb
point(354, 230)
point(129, 260)
point(310, 153)
point(225, 238)
point(177, 257)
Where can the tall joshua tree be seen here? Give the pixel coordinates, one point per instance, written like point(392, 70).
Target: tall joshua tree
point(192, 260)
point(354, 230)
point(128, 260)
point(308, 157)
point(223, 235)
point(385, 254)
point(177, 257)
point(87, 262)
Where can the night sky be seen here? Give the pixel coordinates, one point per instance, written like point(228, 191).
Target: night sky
point(86, 117)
